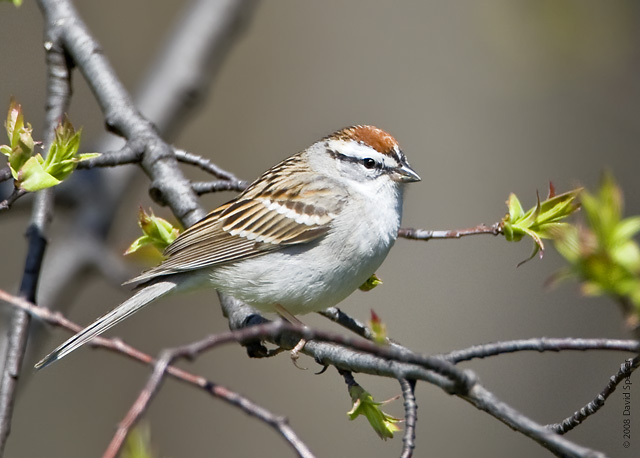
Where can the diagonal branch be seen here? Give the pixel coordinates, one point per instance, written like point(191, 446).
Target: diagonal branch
point(169, 186)
point(186, 65)
point(625, 371)
point(206, 165)
point(151, 388)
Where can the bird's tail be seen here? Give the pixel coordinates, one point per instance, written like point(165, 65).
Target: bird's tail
point(143, 297)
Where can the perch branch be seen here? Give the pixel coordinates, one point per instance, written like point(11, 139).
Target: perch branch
point(426, 235)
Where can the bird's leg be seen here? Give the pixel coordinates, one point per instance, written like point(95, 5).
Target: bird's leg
point(288, 316)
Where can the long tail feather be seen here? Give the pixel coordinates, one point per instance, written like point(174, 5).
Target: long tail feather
point(127, 308)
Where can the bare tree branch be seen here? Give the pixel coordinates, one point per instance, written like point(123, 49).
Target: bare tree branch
point(542, 344)
point(65, 33)
point(569, 423)
point(58, 96)
point(15, 195)
point(5, 173)
point(338, 316)
point(206, 165)
point(426, 235)
point(169, 186)
point(205, 187)
point(410, 416)
point(116, 345)
point(486, 401)
point(186, 65)
point(367, 357)
point(125, 155)
point(152, 387)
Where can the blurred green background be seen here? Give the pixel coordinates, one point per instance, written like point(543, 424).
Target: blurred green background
point(486, 98)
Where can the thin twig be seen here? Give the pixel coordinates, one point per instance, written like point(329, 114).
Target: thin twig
point(543, 344)
point(151, 388)
point(206, 187)
point(15, 195)
point(205, 164)
point(125, 155)
point(338, 316)
point(410, 417)
point(5, 173)
point(140, 405)
point(569, 423)
point(426, 235)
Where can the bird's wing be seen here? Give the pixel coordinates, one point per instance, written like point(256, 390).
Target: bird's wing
point(254, 223)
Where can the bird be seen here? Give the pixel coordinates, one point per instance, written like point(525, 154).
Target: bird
point(299, 239)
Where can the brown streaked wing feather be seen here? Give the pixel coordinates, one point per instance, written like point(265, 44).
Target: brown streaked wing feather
point(248, 226)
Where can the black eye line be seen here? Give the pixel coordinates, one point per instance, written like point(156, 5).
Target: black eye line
point(344, 157)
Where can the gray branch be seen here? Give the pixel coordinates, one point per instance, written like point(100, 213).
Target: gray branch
point(58, 97)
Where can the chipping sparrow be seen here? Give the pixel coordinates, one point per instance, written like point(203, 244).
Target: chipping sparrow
point(301, 237)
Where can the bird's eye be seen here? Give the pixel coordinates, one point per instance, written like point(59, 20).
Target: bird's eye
point(369, 163)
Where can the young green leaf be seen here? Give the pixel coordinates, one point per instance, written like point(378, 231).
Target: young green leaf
point(63, 158)
point(602, 253)
point(378, 329)
point(21, 145)
point(363, 404)
point(541, 221)
point(33, 172)
point(33, 177)
point(157, 232)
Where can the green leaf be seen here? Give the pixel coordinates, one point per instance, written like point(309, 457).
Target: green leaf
point(363, 404)
point(61, 159)
point(541, 221)
point(21, 145)
point(625, 230)
point(158, 232)
point(14, 123)
point(515, 207)
point(33, 173)
point(32, 176)
point(16, 3)
point(602, 253)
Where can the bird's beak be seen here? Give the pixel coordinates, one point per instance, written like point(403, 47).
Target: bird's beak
point(405, 174)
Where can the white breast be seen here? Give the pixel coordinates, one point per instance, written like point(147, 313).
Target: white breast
point(312, 277)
